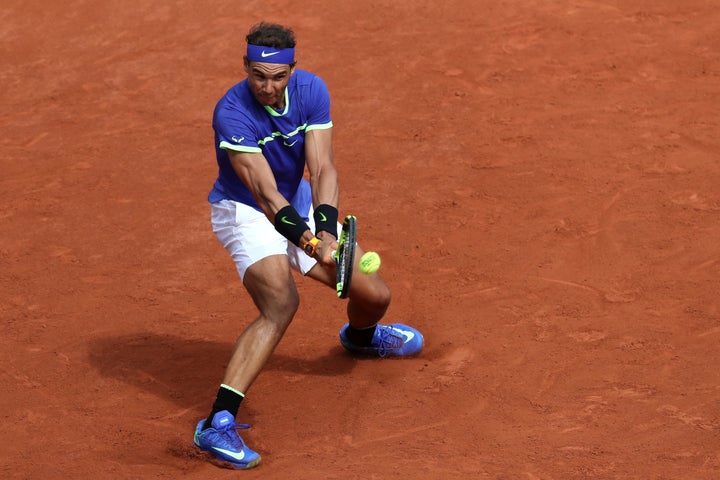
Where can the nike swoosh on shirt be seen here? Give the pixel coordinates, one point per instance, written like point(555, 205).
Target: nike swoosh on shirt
point(231, 454)
point(265, 55)
point(290, 144)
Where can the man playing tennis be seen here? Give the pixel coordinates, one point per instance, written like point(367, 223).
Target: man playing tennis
point(268, 129)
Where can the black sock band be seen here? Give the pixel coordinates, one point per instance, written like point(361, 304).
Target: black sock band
point(360, 336)
point(227, 399)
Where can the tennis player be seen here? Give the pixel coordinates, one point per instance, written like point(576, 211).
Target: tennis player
point(268, 129)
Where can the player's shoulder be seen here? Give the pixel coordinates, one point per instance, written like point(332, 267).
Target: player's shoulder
point(306, 78)
point(236, 105)
point(237, 99)
point(237, 95)
point(304, 74)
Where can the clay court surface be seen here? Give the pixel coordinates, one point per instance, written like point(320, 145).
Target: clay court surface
point(540, 177)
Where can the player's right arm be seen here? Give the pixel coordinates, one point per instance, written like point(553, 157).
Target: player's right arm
point(255, 172)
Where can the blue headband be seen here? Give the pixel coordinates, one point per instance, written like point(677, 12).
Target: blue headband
point(258, 53)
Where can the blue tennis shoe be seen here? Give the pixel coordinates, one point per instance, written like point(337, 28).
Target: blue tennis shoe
point(223, 442)
point(394, 340)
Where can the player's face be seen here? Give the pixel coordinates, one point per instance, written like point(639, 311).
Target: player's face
point(268, 81)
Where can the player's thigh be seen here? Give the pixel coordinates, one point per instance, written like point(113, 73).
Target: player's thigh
point(368, 289)
point(245, 233)
point(259, 253)
point(323, 274)
point(271, 285)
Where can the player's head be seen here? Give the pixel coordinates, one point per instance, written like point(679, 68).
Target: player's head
point(269, 62)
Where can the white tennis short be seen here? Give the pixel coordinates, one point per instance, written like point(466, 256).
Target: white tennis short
point(249, 236)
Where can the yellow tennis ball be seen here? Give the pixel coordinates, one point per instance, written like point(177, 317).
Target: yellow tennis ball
point(369, 263)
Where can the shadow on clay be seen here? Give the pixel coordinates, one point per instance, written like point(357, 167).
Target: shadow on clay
point(184, 370)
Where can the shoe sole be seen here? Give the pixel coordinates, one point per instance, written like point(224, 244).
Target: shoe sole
point(230, 465)
point(374, 353)
point(222, 463)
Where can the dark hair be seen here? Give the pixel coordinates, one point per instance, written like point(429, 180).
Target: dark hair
point(271, 35)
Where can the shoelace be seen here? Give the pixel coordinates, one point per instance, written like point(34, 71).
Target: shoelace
point(388, 341)
point(229, 431)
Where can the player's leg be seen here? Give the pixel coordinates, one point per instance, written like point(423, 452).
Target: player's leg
point(260, 258)
point(272, 288)
point(368, 301)
point(369, 295)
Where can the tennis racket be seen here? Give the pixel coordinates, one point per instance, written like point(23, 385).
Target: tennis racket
point(345, 255)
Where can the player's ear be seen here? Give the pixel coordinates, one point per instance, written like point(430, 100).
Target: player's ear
point(246, 64)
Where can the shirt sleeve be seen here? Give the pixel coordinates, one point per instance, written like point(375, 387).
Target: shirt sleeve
point(235, 130)
point(319, 106)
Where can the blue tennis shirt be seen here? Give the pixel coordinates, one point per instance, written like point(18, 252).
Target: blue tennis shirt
point(242, 124)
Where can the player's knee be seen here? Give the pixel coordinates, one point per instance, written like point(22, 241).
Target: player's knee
point(385, 296)
point(292, 303)
point(381, 297)
point(279, 312)
point(284, 306)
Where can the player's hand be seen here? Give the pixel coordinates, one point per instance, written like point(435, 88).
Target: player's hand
point(323, 235)
point(325, 249)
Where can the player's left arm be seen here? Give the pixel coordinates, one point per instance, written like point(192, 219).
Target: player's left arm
point(323, 175)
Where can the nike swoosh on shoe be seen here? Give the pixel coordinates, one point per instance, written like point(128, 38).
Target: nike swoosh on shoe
point(235, 455)
point(405, 333)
